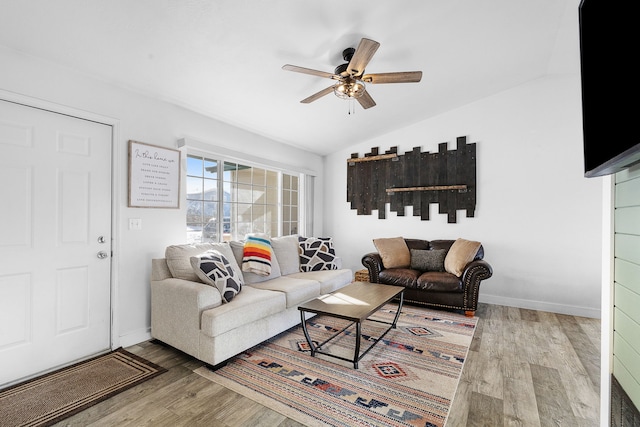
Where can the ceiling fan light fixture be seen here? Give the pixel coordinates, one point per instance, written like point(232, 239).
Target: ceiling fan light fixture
point(349, 89)
point(349, 78)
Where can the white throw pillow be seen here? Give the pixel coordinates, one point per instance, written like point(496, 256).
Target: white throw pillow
point(286, 251)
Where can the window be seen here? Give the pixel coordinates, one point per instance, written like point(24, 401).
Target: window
point(226, 200)
point(289, 204)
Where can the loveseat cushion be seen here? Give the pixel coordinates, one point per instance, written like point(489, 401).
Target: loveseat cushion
point(419, 244)
point(437, 281)
point(399, 277)
point(296, 290)
point(248, 306)
point(179, 258)
point(285, 249)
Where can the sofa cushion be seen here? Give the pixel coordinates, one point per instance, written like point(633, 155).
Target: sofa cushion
point(330, 280)
point(393, 251)
point(179, 258)
point(215, 269)
point(256, 255)
point(437, 281)
point(418, 244)
point(296, 290)
point(428, 260)
point(399, 277)
point(317, 253)
point(248, 306)
point(462, 252)
point(285, 249)
point(237, 248)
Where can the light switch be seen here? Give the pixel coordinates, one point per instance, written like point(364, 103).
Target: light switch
point(135, 224)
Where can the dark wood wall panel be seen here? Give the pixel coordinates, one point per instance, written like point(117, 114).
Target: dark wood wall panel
point(370, 179)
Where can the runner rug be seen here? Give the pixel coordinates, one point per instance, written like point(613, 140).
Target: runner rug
point(50, 398)
point(408, 379)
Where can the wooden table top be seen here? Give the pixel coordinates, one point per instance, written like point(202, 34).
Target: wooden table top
point(356, 301)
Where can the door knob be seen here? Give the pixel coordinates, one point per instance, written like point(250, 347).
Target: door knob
point(102, 255)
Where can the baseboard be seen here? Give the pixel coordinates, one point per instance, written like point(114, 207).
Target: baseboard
point(134, 337)
point(572, 310)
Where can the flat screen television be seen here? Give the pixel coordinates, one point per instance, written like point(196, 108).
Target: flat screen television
point(609, 82)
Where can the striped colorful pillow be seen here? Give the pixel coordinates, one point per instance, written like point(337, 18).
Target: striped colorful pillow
point(256, 257)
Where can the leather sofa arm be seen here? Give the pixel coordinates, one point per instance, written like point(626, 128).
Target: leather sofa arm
point(373, 262)
point(476, 271)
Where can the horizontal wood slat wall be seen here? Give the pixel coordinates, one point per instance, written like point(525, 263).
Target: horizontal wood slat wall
point(626, 317)
point(415, 178)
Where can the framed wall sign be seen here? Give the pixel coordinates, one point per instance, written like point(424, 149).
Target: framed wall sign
point(154, 176)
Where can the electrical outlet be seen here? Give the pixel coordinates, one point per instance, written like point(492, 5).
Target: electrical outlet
point(135, 224)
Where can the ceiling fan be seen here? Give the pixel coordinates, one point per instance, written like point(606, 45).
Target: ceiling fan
point(351, 78)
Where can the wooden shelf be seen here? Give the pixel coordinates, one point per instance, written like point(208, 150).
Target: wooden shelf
point(460, 188)
point(372, 158)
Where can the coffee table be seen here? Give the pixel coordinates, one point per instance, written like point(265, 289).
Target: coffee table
point(354, 302)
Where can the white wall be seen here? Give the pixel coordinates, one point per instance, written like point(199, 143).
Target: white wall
point(537, 217)
point(143, 119)
point(539, 220)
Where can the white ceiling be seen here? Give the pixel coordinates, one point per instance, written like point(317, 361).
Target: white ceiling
point(223, 58)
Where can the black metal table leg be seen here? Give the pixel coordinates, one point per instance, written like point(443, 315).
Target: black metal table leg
point(306, 333)
point(356, 356)
point(395, 320)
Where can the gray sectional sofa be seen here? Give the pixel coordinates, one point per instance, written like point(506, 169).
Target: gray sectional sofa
point(191, 316)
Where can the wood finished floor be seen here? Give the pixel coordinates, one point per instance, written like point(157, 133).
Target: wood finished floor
point(524, 368)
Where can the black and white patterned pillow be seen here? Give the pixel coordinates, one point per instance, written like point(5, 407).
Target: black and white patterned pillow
point(316, 253)
point(214, 269)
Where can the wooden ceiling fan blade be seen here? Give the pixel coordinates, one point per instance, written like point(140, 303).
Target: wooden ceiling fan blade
point(363, 54)
point(303, 70)
point(366, 100)
point(399, 77)
point(317, 95)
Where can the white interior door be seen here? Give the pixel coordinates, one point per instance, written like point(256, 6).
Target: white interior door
point(55, 240)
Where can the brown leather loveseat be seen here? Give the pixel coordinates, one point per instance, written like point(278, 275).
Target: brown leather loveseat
point(424, 275)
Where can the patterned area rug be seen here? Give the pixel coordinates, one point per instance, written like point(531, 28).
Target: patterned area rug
point(408, 379)
point(50, 398)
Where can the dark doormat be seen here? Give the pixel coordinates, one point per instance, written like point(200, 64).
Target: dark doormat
point(52, 397)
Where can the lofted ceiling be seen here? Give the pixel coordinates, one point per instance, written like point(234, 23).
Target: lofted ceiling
point(224, 58)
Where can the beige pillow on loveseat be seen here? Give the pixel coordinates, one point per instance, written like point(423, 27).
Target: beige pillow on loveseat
point(393, 251)
point(461, 253)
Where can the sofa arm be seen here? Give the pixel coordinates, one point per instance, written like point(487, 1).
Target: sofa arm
point(176, 310)
point(373, 262)
point(476, 270)
point(474, 273)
